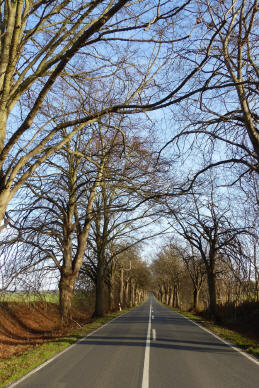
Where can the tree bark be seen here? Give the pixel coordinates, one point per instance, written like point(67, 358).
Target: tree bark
point(122, 288)
point(162, 294)
point(132, 303)
point(100, 291)
point(212, 294)
point(176, 301)
point(127, 293)
point(167, 295)
point(111, 298)
point(256, 275)
point(171, 297)
point(196, 293)
point(66, 291)
point(111, 292)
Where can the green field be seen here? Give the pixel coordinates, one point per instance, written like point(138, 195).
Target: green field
point(51, 297)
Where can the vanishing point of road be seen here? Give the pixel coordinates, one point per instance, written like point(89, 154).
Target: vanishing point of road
point(148, 347)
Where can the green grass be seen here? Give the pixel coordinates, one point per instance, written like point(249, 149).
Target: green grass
point(51, 297)
point(247, 344)
point(18, 366)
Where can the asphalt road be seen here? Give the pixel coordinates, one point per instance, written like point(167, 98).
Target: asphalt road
point(148, 347)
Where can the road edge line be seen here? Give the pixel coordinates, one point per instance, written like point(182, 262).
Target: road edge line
point(248, 356)
point(45, 363)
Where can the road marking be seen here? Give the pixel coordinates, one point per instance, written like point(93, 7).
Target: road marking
point(251, 358)
point(145, 378)
point(154, 334)
point(21, 379)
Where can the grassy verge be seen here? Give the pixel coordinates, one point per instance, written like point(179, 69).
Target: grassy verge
point(247, 344)
point(18, 366)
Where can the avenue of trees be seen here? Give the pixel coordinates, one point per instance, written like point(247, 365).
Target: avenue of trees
point(120, 121)
point(213, 252)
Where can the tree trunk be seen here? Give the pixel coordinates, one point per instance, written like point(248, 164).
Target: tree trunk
point(174, 296)
point(256, 290)
point(177, 296)
point(141, 296)
point(111, 298)
point(5, 198)
point(132, 303)
point(160, 294)
point(196, 303)
point(66, 291)
point(256, 275)
point(137, 296)
point(126, 299)
point(122, 288)
point(163, 294)
point(111, 287)
point(170, 297)
point(100, 289)
point(167, 295)
point(212, 294)
point(178, 299)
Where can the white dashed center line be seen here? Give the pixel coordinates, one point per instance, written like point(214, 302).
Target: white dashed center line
point(145, 379)
point(154, 334)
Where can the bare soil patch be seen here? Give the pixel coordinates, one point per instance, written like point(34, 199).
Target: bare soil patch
point(25, 325)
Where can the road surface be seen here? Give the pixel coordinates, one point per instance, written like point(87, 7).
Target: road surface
point(148, 347)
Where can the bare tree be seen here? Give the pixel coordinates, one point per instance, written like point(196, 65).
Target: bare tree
point(122, 215)
point(55, 220)
point(220, 124)
point(95, 179)
point(119, 57)
point(44, 42)
point(167, 271)
point(136, 280)
point(196, 270)
point(207, 227)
